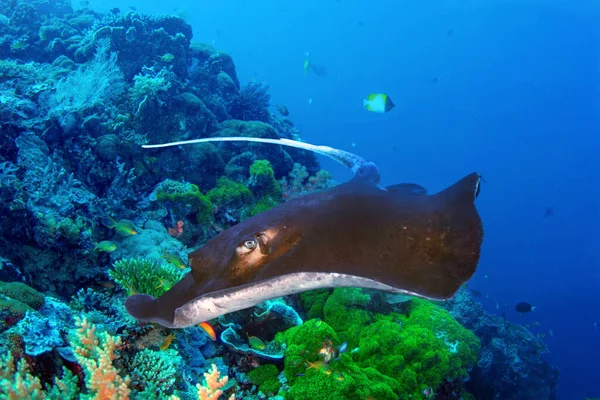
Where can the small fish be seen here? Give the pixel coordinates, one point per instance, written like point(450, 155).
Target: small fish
point(208, 329)
point(550, 332)
point(429, 393)
point(319, 70)
point(175, 259)
point(449, 32)
point(435, 79)
point(310, 100)
point(524, 307)
point(337, 375)
point(106, 245)
point(123, 227)
point(167, 57)
point(343, 347)
point(318, 323)
point(378, 102)
point(476, 293)
point(255, 342)
point(108, 284)
point(165, 284)
point(549, 212)
point(319, 365)
point(497, 306)
point(306, 66)
point(167, 342)
point(283, 110)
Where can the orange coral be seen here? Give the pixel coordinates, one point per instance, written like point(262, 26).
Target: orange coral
point(211, 390)
point(95, 353)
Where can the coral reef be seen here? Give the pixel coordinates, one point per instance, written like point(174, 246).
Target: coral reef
point(510, 365)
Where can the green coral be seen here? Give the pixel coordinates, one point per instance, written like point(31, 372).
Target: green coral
point(229, 193)
point(266, 378)
point(23, 293)
point(156, 371)
point(264, 186)
point(16, 299)
point(390, 356)
point(138, 275)
point(264, 204)
point(185, 198)
point(314, 302)
point(262, 180)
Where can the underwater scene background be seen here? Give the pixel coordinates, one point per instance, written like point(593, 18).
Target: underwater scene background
point(509, 89)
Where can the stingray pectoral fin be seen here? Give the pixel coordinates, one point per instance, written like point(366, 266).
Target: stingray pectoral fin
point(141, 306)
point(455, 240)
point(145, 307)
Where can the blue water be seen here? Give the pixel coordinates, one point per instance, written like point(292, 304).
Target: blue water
point(517, 100)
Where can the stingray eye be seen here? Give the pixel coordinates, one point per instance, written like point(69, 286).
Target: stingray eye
point(251, 244)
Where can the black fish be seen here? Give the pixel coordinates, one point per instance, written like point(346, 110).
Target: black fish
point(283, 110)
point(319, 70)
point(524, 307)
point(398, 239)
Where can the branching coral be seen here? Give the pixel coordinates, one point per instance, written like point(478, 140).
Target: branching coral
point(95, 352)
point(144, 276)
point(211, 390)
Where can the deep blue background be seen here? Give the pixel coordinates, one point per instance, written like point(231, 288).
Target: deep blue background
point(517, 100)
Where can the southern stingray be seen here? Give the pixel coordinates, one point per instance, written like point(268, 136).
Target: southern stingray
point(397, 239)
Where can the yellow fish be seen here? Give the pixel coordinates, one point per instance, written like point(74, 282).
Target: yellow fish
point(174, 259)
point(123, 227)
point(255, 342)
point(167, 57)
point(167, 342)
point(106, 246)
point(378, 102)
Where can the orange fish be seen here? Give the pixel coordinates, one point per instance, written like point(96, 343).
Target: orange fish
point(208, 329)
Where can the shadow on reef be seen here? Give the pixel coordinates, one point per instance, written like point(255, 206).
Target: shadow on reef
point(87, 217)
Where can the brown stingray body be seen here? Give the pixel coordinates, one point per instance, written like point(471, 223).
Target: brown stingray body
point(401, 239)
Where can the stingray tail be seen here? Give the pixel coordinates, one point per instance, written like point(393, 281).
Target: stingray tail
point(362, 168)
